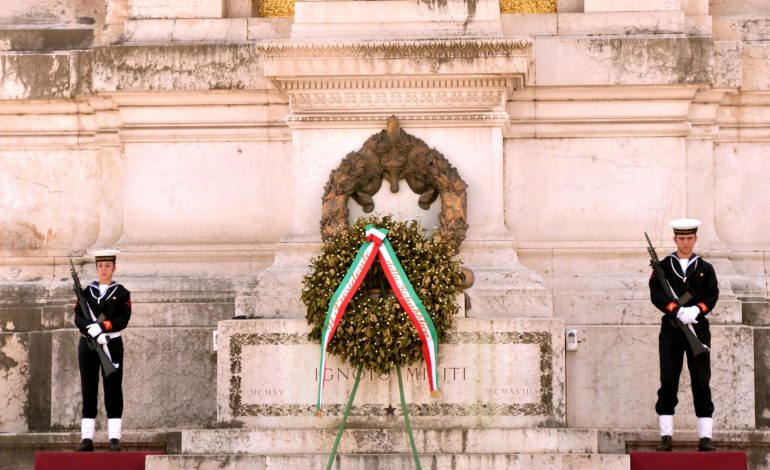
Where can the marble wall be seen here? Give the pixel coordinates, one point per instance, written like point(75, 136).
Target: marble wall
point(178, 137)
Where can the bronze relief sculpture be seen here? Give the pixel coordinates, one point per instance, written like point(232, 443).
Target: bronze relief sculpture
point(393, 155)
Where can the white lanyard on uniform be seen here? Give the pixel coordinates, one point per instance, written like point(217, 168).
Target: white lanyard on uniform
point(684, 264)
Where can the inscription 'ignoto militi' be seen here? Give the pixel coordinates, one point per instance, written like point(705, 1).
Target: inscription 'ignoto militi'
point(475, 383)
point(410, 374)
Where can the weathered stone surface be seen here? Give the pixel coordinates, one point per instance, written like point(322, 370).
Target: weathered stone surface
point(549, 188)
point(755, 62)
point(569, 6)
point(621, 23)
point(744, 7)
point(395, 19)
point(544, 24)
point(175, 366)
point(390, 439)
point(372, 59)
point(750, 284)
point(176, 8)
point(591, 6)
point(701, 25)
point(727, 64)
point(58, 209)
point(695, 7)
point(601, 288)
point(731, 28)
point(177, 67)
point(47, 12)
point(740, 206)
point(635, 112)
point(14, 372)
point(622, 61)
point(241, 8)
point(762, 376)
point(269, 28)
point(212, 178)
point(267, 370)
point(36, 76)
point(393, 462)
point(195, 302)
point(628, 393)
point(41, 39)
point(186, 29)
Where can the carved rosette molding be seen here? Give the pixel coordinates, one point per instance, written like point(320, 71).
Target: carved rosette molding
point(368, 120)
point(400, 99)
point(414, 49)
point(421, 82)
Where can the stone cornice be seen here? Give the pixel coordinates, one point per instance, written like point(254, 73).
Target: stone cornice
point(424, 49)
point(446, 97)
point(429, 94)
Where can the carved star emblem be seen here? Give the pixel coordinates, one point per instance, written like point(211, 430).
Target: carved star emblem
point(390, 411)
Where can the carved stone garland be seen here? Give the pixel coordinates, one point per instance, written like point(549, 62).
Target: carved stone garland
point(392, 155)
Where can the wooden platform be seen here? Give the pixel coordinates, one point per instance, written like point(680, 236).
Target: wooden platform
point(91, 460)
point(688, 460)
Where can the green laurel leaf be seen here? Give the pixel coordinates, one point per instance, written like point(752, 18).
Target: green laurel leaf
point(375, 332)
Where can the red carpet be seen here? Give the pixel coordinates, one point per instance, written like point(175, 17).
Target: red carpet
point(91, 460)
point(688, 460)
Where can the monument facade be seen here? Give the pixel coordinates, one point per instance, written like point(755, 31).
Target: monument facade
point(197, 137)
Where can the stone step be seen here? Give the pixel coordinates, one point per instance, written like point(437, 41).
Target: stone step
point(391, 462)
point(386, 441)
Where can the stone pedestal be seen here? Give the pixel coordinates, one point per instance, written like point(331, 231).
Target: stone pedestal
point(268, 377)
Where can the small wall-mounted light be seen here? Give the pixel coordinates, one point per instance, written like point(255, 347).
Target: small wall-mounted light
point(572, 340)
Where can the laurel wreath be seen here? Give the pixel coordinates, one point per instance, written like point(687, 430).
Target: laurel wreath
point(375, 331)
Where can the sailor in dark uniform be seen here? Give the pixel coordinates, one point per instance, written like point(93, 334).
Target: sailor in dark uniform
point(110, 310)
point(686, 272)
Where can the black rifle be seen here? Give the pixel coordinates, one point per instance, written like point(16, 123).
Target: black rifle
point(695, 344)
point(104, 358)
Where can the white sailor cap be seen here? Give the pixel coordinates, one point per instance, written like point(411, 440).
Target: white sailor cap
point(685, 226)
point(105, 255)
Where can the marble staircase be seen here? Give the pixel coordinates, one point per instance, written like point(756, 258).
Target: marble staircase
point(469, 448)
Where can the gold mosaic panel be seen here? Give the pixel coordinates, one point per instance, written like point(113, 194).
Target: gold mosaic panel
point(527, 6)
point(275, 8)
point(283, 8)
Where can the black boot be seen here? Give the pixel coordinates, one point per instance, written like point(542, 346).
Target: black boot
point(86, 446)
point(665, 444)
point(115, 445)
point(705, 445)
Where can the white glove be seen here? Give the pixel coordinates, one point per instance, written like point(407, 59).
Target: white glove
point(687, 315)
point(102, 339)
point(94, 330)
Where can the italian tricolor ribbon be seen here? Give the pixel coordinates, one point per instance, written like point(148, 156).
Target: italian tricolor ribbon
point(377, 244)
